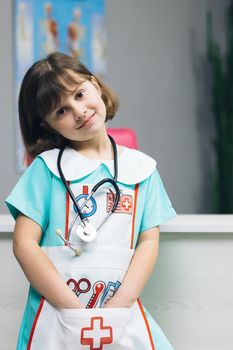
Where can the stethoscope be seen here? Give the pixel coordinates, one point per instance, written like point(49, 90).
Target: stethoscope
point(85, 231)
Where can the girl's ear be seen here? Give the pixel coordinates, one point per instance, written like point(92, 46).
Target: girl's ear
point(45, 125)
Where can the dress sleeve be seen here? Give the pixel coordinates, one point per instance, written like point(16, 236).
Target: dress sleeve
point(31, 195)
point(157, 207)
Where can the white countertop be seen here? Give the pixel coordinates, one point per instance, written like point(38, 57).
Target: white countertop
point(6, 223)
point(199, 223)
point(181, 223)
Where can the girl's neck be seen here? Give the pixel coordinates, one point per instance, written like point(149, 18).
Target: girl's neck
point(99, 147)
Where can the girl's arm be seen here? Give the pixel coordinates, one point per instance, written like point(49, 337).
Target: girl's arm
point(139, 271)
point(38, 268)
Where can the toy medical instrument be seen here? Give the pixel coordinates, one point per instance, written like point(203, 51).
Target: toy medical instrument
point(98, 288)
point(85, 231)
point(109, 291)
point(82, 286)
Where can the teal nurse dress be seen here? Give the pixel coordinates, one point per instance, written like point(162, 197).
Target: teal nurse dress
point(97, 273)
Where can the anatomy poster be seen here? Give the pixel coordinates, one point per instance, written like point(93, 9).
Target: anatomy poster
point(75, 27)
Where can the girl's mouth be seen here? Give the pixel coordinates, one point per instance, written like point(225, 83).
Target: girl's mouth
point(86, 122)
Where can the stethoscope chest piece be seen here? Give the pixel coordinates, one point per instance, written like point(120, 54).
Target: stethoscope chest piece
point(87, 232)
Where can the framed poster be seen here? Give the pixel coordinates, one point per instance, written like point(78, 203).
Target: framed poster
point(75, 27)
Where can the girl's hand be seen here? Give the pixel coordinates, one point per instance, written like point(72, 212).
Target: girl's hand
point(119, 302)
point(139, 271)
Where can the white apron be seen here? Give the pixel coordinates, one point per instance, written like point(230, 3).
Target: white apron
point(98, 272)
point(94, 277)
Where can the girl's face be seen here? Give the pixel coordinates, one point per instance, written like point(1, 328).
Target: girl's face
point(81, 112)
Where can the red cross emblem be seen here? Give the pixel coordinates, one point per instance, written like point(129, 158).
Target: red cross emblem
point(125, 205)
point(97, 334)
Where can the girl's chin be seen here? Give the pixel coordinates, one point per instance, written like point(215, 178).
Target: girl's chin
point(88, 134)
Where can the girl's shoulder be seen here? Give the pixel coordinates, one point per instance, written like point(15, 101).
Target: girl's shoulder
point(133, 166)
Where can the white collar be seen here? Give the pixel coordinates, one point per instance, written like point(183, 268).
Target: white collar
point(133, 166)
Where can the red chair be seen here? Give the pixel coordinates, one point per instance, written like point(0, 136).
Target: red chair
point(27, 159)
point(124, 137)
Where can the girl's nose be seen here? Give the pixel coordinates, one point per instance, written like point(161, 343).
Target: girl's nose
point(79, 112)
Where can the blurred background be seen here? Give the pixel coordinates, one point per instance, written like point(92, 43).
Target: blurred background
point(168, 67)
point(171, 64)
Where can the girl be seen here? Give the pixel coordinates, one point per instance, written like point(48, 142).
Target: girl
point(87, 258)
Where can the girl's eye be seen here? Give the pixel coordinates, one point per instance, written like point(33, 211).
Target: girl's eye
point(80, 94)
point(61, 111)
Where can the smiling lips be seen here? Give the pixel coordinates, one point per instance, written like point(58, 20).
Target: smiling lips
point(86, 121)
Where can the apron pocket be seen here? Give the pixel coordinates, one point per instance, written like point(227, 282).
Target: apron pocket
point(99, 328)
point(83, 329)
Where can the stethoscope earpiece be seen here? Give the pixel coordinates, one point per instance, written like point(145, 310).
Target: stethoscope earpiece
point(78, 252)
point(59, 232)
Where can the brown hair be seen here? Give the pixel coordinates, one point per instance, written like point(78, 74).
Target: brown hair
point(40, 93)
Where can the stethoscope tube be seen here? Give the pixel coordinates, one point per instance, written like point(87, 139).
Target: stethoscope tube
point(66, 184)
point(112, 181)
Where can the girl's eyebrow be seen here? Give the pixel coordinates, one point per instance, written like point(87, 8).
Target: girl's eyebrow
point(73, 91)
point(63, 96)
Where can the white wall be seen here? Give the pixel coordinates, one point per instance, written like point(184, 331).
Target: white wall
point(190, 292)
point(8, 175)
point(153, 45)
